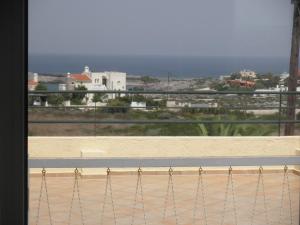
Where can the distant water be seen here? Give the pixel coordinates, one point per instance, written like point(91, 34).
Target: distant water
point(52, 86)
point(160, 66)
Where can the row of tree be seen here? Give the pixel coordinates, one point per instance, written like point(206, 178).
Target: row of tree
point(75, 98)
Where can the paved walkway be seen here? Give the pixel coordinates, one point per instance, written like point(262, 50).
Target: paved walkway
point(123, 187)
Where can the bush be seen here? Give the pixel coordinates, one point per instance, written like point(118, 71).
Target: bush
point(55, 99)
point(40, 87)
point(97, 97)
point(147, 79)
point(116, 106)
point(77, 98)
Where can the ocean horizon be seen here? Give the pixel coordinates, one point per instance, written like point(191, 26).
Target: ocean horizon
point(157, 66)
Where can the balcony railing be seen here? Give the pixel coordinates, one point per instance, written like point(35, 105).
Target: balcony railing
point(226, 101)
point(245, 190)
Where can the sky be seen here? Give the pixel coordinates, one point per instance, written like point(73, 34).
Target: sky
point(255, 28)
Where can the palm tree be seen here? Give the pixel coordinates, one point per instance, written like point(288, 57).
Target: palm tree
point(233, 129)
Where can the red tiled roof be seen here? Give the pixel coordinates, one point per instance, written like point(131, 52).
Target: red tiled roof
point(242, 82)
point(80, 77)
point(32, 82)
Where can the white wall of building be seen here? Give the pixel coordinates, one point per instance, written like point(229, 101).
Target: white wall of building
point(138, 105)
point(115, 81)
point(248, 73)
point(112, 80)
point(100, 81)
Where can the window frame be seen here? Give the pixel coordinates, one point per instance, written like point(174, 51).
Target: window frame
point(13, 120)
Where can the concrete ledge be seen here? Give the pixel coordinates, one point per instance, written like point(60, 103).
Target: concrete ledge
point(158, 147)
point(188, 171)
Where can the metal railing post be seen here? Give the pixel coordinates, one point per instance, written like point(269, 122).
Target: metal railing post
point(279, 113)
point(95, 133)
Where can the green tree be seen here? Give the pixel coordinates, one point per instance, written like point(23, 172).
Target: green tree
point(55, 99)
point(40, 87)
point(233, 129)
point(150, 103)
point(234, 76)
point(97, 97)
point(267, 80)
point(78, 97)
point(147, 79)
point(117, 105)
point(67, 96)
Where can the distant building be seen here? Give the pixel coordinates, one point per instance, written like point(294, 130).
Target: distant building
point(174, 105)
point(247, 74)
point(75, 80)
point(242, 83)
point(284, 75)
point(62, 87)
point(177, 104)
point(224, 77)
point(278, 88)
point(138, 105)
point(97, 81)
point(33, 80)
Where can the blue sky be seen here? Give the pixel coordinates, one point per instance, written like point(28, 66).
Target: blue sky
point(161, 27)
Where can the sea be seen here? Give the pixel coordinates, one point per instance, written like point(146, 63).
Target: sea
point(157, 66)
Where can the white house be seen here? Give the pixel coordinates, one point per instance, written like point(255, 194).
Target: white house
point(97, 81)
point(247, 74)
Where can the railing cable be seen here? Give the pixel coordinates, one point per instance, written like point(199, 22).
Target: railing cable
point(43, 184)
point(77, 190)
point(260, 182)
point(138, 186)
point(200, 185)
point(108, 187)
point(170, 186)
point(229, 185)
point(285, 182)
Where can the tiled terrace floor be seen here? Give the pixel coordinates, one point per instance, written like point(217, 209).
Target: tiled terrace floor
point(154, 194)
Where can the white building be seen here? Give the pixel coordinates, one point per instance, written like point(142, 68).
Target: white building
point(138, 105)
point(174, 105)
point(62, 87)
point(224, 77)
point(33, 80)
point(97, 81)
point(278, 88)
point(283, 77)
point(247, 74)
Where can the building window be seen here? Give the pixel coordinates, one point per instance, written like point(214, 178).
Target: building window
point(104, 81)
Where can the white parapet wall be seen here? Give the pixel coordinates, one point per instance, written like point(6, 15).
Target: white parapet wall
point(64, 147)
